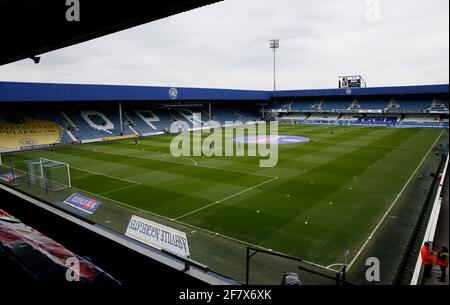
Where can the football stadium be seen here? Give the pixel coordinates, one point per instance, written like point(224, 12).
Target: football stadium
point(354, 169)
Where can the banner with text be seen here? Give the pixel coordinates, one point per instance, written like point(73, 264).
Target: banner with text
point(83, 203)
point(158, 236)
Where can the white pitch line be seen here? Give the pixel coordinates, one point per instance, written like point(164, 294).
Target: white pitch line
point(227, 198)
point(120, 189)
point(195, 162)
point(194, 227)
point(393, 204)
point(100, 174)
point(104, 175)
point(186, 164)
point(334, 265)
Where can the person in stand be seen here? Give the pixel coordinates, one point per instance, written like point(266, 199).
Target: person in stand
point(426, 259)
point(443, 263)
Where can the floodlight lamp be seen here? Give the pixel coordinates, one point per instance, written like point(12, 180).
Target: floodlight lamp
point(274, 44)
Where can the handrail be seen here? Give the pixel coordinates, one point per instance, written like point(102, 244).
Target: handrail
point(432, 224)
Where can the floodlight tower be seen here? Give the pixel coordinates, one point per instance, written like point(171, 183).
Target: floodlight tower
point(274, 45)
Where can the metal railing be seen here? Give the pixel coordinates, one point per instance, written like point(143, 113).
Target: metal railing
point(431, 228)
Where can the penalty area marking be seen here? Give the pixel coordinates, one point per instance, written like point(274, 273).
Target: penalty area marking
point(195, 227)
point(120, 189)
point(100, 174)
point(227, 198)
point(393, 204)
point(104, 175)
point(185, 164)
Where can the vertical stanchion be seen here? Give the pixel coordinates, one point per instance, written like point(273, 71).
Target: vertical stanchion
point(210, 111)
point(44, 176)
point(247, 268)
point(28, 175)
point(343, 274)
point(12, 170)
point(121, 118)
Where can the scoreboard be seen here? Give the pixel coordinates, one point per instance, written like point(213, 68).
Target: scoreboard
point(355, 81)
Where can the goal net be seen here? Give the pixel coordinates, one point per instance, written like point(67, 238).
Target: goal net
point(49, 174)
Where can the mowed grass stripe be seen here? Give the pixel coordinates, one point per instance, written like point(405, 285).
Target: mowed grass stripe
point(374, 162)
point(311, 182)
point(279, 210)
point(184, 171)
point(168, 202)
point(80, 178)
point(170, 198)
point(319, 153)
point(359, 209)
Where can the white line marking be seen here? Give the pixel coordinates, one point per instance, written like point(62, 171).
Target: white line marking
point(186, 224)
point(104, 175)
point(99, 174)
point(120, 189)
point(393, 204)
point(237, 172)
point(195, 162)
point(335, 265)
point(192, 226)
point(195, 227)
point(186, 164)
point(227, 198)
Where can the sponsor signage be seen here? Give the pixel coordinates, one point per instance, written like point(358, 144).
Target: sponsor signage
point(37, 146)
point(120, 138)
point(371, 111)
point(158, 236)
point(379, 120)
point(83, 203)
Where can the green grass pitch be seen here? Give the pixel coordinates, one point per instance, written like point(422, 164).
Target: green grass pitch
point(321, 197)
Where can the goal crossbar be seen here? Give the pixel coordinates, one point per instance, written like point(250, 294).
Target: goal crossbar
point(47, 170)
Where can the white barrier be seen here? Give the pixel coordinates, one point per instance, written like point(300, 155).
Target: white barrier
point(432, 224)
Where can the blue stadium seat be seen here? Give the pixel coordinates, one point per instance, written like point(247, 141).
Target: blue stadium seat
point(159, 119)
point(307, 104)
point(56, 116)
point(415, 103)
point(332, 104)
point(374, 103)
point(223, 114)
point(86, 131)
point(280, 106)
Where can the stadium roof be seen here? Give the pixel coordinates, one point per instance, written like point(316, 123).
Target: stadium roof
point(403, 90)
point(32, 27)
point(42, 92)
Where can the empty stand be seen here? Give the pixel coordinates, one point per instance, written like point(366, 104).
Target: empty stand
point(414, 103)
point(335, 104)
point(97, 124)
point(373, 103)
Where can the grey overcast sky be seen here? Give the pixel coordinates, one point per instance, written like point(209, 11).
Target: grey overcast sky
point(225, 45)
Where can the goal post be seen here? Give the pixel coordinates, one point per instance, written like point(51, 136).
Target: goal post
point(49, 174)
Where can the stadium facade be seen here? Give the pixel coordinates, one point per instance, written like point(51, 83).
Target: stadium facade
point(61, 114)
point(37, 116)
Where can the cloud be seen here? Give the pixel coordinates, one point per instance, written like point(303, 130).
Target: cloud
point(226, 46)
